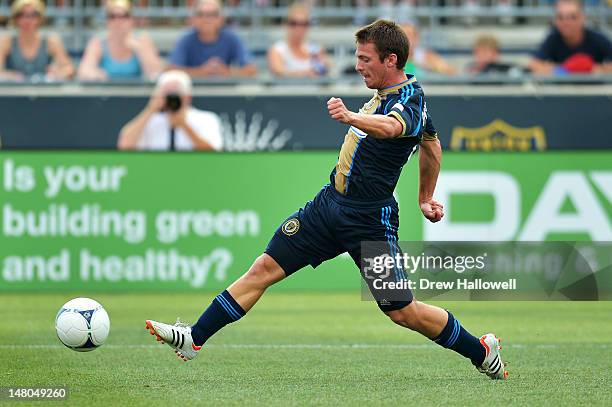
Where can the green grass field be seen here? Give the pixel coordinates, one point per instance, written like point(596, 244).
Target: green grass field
point(301, 349)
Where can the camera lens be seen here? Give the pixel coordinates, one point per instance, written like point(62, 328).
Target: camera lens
point(173, 102)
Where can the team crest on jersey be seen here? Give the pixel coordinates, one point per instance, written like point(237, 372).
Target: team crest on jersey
point(291, 227)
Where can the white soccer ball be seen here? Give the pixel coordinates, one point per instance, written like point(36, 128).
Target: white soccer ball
point(82, 324)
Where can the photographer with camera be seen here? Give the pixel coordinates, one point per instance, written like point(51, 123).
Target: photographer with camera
point(169, 122)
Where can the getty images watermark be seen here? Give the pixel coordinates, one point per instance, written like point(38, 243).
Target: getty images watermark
point(487, 271)
point(381, 267)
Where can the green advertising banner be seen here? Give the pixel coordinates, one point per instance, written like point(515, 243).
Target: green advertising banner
point(158, 221)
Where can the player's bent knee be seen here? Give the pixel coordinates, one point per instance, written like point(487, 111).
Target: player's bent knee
point(264, 272)
point(408, 316)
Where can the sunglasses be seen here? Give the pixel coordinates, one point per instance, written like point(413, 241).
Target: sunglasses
point(572, 16)
point(296, 23)
point(124, 16)
point(33, 14)
point(212, 14)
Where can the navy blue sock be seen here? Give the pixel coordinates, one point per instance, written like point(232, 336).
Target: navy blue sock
point(222, 311)
point(455, 337)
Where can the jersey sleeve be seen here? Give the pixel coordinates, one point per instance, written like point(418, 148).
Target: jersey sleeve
point(408, 110)
point(430, 132)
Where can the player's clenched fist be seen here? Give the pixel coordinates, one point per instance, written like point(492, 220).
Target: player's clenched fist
point(432, 210)
point(337, 110)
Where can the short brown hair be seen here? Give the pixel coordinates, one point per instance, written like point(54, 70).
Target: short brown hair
point(388, 37)
point(486, 41)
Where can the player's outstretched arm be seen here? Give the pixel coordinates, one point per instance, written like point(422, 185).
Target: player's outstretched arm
point(375, 125)
point(430, 156)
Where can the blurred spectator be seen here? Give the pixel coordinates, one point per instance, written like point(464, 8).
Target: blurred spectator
point(122, 54)
point(29, 54)
point(421, 59)
point(403, 11)
point(209, 48)
point(571, 47)
point(169, 122)
point(485, 53)
point(294, 56)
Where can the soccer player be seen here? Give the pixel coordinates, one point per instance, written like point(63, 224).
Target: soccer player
point(357, 205)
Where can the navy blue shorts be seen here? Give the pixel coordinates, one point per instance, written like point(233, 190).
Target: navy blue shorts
point(332, 224)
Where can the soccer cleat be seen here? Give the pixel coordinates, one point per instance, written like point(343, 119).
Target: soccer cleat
point(177, 336)
point(493, 366)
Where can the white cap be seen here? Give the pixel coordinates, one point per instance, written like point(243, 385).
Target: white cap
point(180, 78)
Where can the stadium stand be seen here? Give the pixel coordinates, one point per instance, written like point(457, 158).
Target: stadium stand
point(449, 28)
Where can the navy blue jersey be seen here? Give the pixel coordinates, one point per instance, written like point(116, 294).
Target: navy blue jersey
point(368, 168)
